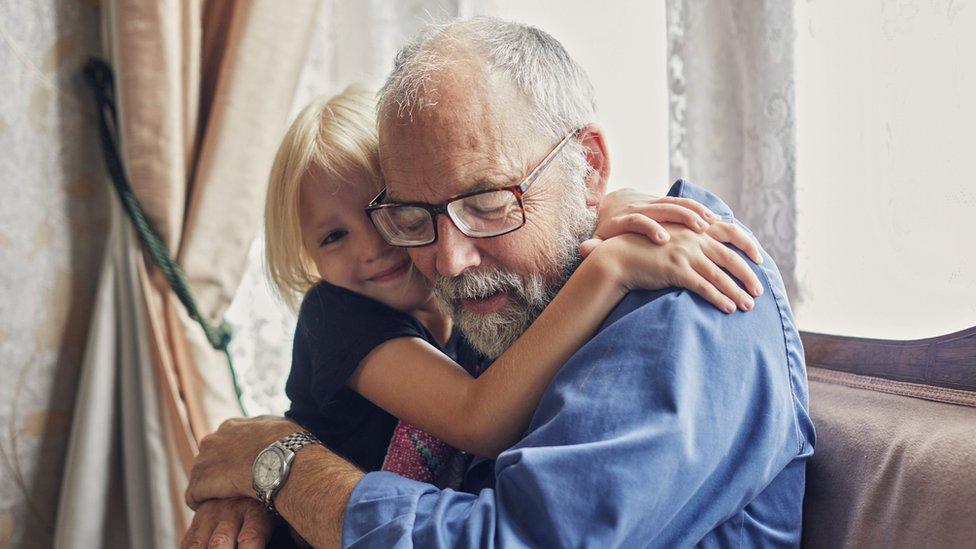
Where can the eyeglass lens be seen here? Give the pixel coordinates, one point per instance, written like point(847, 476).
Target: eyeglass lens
point(481, 215)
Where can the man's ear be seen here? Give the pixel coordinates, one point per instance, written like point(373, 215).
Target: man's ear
point(597, 157)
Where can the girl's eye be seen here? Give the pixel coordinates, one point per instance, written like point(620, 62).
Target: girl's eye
point(332, 237)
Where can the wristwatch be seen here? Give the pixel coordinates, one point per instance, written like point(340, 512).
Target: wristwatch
point(271, 467)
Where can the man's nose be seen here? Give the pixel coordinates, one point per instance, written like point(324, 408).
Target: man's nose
point(454, 251)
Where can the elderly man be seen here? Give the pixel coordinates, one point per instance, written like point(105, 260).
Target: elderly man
point(676, 425)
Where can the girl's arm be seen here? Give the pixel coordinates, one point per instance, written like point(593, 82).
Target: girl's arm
point(415, 382)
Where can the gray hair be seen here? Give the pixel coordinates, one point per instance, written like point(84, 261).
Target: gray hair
point(538, 65)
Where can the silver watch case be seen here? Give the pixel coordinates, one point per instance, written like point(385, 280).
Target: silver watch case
point(284, 458)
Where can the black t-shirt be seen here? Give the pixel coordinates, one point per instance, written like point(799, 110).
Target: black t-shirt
point(336, 329)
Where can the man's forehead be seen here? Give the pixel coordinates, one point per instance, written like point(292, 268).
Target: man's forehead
point(471, 137)
point(435, 186)
point(434, 166)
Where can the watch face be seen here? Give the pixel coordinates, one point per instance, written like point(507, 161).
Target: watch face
point(267, 468)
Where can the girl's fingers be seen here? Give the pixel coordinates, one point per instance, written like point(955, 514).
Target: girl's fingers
point(588, 246)
point(724, 283)
point(731, 234)
point(701, 286)
point(673, 213)
point(636, 224)
point(693, 205)
point(727, 259)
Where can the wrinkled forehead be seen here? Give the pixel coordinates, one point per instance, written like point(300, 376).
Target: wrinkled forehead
point(476, 136)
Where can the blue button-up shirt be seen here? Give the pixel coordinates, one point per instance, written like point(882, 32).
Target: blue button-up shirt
point(676, 425)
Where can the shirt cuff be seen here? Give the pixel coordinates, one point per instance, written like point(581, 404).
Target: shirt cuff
point(382, 508)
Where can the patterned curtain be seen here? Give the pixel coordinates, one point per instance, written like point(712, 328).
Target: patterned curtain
point(732, 127)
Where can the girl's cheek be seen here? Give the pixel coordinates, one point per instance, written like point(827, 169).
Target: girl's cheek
point(327, 271)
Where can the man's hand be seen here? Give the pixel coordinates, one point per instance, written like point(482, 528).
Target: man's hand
point(220, 523)
point(222, 470)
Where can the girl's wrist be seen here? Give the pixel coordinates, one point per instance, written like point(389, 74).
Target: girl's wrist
point(604, 267)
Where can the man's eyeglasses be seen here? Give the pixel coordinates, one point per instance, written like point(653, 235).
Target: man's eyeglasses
point(479, 214)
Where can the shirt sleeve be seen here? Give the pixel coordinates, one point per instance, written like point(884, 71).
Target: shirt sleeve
point(338, 328)
point(661, 428)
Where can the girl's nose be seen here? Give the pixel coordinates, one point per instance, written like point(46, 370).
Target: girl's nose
point(373, 247)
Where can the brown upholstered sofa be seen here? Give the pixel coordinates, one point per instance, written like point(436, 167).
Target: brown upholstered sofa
point(895, 461)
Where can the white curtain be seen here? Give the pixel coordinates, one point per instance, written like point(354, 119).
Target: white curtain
point(732, 105)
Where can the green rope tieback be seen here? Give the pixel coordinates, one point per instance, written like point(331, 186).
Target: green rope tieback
point(219, 336)
point(98, 75)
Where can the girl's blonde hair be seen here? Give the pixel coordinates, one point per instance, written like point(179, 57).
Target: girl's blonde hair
point(336, 136)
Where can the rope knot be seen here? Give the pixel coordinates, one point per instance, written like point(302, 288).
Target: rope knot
point(220, 336)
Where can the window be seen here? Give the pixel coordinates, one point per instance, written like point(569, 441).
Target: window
point(885, 119)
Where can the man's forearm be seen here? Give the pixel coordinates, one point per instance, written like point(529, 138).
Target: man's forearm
point(314, 498)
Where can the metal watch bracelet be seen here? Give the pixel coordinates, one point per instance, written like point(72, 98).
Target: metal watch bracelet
point(292, 444)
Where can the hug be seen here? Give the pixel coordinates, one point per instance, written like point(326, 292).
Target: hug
point(491, 349)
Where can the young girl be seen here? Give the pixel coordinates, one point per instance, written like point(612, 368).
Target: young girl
point(372, 344)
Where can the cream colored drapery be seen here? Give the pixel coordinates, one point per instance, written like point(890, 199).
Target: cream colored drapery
point(203, 89)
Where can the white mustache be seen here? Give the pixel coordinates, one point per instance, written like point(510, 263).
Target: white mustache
point(478, 284)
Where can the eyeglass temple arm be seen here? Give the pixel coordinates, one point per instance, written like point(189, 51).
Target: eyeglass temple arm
point(534, 174)
point(376, 200)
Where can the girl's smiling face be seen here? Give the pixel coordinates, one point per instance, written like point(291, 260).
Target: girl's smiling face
point(346, 248)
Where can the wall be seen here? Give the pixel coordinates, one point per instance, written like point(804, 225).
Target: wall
point(52, 227)
point(885, 116)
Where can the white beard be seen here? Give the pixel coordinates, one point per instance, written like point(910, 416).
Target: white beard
point(494, 332)
point(528, 295)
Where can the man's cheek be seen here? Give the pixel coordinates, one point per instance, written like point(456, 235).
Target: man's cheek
point(514, 252)
point(542, 216)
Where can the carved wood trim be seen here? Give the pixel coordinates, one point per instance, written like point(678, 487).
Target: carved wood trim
point(943, 361)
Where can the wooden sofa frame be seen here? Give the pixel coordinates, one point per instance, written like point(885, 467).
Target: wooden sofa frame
point(944, 361)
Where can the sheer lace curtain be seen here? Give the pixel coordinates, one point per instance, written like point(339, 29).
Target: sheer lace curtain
point(732, 126)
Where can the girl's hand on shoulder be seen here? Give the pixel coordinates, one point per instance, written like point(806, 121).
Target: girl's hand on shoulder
point(629, 211)
point(690, 260)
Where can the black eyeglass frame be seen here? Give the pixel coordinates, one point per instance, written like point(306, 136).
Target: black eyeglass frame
point(433, 210)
